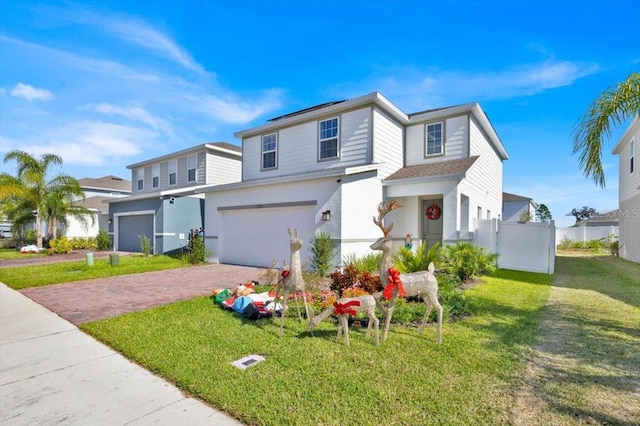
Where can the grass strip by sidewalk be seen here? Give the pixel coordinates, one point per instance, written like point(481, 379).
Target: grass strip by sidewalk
point(408, 379)
point(63, 272)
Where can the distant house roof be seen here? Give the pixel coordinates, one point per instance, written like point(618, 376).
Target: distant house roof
point(106, 182)
point(604, 219)
point(513, 197)
point(96, 202)
point(440, 169)
point(225, 147)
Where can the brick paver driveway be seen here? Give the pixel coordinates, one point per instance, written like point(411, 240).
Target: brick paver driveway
point(84, 301)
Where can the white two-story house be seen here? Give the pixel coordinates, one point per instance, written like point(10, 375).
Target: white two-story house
point(629, 192)
point(163, 205)
point(326, 168)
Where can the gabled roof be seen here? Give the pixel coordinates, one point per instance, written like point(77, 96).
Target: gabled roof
point(612, 216)
point(106, 182)
point(223, 147)
point(513, 197)
point(441, 169)
point(96, 203)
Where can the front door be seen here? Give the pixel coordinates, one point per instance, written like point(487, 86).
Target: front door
point(432, 222)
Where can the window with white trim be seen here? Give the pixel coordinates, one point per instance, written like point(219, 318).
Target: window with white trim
point(173, 172)
point(328, 142)
point(632, 155)
point(155, 175)
point(191, 168)
point(140, 179)
point(433, 139)
point(269, 151)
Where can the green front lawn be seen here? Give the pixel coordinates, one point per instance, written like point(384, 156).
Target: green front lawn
point(63, 272)
point(408, 379)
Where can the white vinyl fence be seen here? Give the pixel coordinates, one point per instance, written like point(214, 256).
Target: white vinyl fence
point(521, 246)
point(587, 233)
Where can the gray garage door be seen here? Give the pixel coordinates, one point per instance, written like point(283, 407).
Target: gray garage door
point(258, 237)
point(129, 229)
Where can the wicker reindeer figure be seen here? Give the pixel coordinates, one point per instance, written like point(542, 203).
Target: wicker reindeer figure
point(292, 281)
point(346, 306)
point(421, 284)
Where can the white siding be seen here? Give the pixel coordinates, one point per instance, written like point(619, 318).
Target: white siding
point(388, 140)
point(455, 141)
point(629, 182)
point(298, 147)
point(221, 169)
point(629, 240)
point(483, 184)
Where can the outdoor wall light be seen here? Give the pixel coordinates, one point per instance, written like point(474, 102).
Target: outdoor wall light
point(171, 200)
point(326, 215)
point(109, 221)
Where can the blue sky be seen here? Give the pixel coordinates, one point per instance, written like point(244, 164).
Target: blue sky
point(108, 84)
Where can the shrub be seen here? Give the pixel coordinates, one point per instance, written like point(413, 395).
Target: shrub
point(145, 244)
point(31, 237)
point(323, 253)
point(368, 262)
point(614, 246)
point(83, 243)
point(351, 278)
point(103, 240)
point(565, 244)
point(61, 245)
point(467, 261)
point(595, 245)
point(406, 260)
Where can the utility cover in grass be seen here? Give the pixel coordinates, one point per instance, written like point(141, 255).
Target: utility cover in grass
point(248, 361)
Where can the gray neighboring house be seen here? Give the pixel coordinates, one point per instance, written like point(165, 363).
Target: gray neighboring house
point(513, 206)
point(163, 204)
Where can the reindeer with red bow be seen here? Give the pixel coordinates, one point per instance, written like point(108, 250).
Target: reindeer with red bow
point(346, 306)
point(422, 284)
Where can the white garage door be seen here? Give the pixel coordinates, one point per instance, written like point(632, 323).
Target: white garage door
point(259, 237)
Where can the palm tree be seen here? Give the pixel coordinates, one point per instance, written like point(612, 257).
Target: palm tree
point(29, 192)
point(613, 106)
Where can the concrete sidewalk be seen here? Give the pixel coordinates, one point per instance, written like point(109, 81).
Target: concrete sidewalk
point(53, 373)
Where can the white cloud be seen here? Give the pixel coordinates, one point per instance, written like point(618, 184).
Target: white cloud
point(30, 93)
point(133, 113)
point(417, 89)
point(139, 32)
point(234, 111)
point(94, 143)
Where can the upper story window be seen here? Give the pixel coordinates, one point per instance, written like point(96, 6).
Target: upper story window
point(140, 179)
point(434, 139)
point(155, 175)
point(269, 151)
point(173, 172)
point(632, 155)
point(329, 138)
point(191, 168)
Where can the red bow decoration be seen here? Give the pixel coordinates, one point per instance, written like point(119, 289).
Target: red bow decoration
point(345, 308)
point(285, 273)
point(394, 281)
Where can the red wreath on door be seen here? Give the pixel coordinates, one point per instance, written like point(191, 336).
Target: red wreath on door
point(433, 212)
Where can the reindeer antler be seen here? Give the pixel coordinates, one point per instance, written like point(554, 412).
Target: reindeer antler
point(383, 209)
